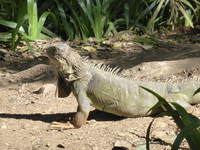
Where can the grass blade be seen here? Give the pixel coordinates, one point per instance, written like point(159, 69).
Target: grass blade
point(66, 26)
point(185, 15)
point(148, 135)
point(32, 18)
point(29, 47)
point(16, 30)
point(182, 119)
point(126, 13)
point(5, 36)
point(48, 32)
point(10, 24)
point(42, 20)
point(155, 14)
point(184, 133)
point(197, 91)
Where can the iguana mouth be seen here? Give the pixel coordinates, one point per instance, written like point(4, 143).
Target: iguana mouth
point(57, 57)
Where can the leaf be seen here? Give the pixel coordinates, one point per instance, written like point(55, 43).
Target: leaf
point(185, 15)
point(183, 120)
point(148, 134)
point(186, 117)
point(29, 47)
point(66, 25)
point(48, 32)
point(111, 28)
point(42, 21)
point(89, 48)
point(32, 18)
point(146, 47)
point(155, 14)
point(161, 99)
point(79, 22)
point(5, 36)
point(197, 91)
point(126, 13)
point(184, 132)
point(10, 24)
point(16, 30)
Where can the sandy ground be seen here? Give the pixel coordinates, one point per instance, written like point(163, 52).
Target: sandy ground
point(27, 108)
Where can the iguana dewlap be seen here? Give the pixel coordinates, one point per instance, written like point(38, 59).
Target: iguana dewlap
point(101, 87)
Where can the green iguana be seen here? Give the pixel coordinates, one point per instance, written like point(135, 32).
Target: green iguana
point(101, 87)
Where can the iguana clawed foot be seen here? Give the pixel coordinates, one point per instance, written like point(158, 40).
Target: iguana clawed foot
point(66, 125)
point(61, 125)
point(79, 119)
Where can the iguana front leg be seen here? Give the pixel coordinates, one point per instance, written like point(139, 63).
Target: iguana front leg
point(82, 110)
point(81, 115)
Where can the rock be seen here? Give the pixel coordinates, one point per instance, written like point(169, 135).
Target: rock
point(61, 146)
point(48, 90)
point(160, 124)
point(124, 145)
point(125, 134)
point(160, 135)
point(3, 126)
point(95, 148)
point(92, 121)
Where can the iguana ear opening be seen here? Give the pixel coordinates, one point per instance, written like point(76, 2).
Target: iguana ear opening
point(63, 87)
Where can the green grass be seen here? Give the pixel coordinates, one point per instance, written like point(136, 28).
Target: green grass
point(81, 19)
point(92, 19)
point(187, 123)
point(24, 24)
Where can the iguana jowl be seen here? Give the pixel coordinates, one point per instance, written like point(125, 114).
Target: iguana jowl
point(106, 91)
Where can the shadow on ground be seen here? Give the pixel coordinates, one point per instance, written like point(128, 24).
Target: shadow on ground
point(48, 118)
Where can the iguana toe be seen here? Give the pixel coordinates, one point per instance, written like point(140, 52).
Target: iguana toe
point(61, 125)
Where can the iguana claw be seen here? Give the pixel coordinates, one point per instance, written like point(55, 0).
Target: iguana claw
point(61, 126)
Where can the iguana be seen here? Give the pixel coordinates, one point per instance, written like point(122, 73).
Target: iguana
point(102, 87)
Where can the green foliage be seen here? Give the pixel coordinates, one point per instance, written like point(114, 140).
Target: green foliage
point(148, 40)
point(92, 19)
point(35, 26)
point(186, 122)
point(70, 19)
point(24, 23)
point(172, 12)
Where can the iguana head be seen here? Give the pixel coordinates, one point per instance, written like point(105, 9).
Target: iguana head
point(64, 59)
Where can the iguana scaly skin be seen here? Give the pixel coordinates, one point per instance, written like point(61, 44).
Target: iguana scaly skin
point(106, 91)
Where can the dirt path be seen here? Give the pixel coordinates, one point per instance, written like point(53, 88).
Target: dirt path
point(27, 108)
